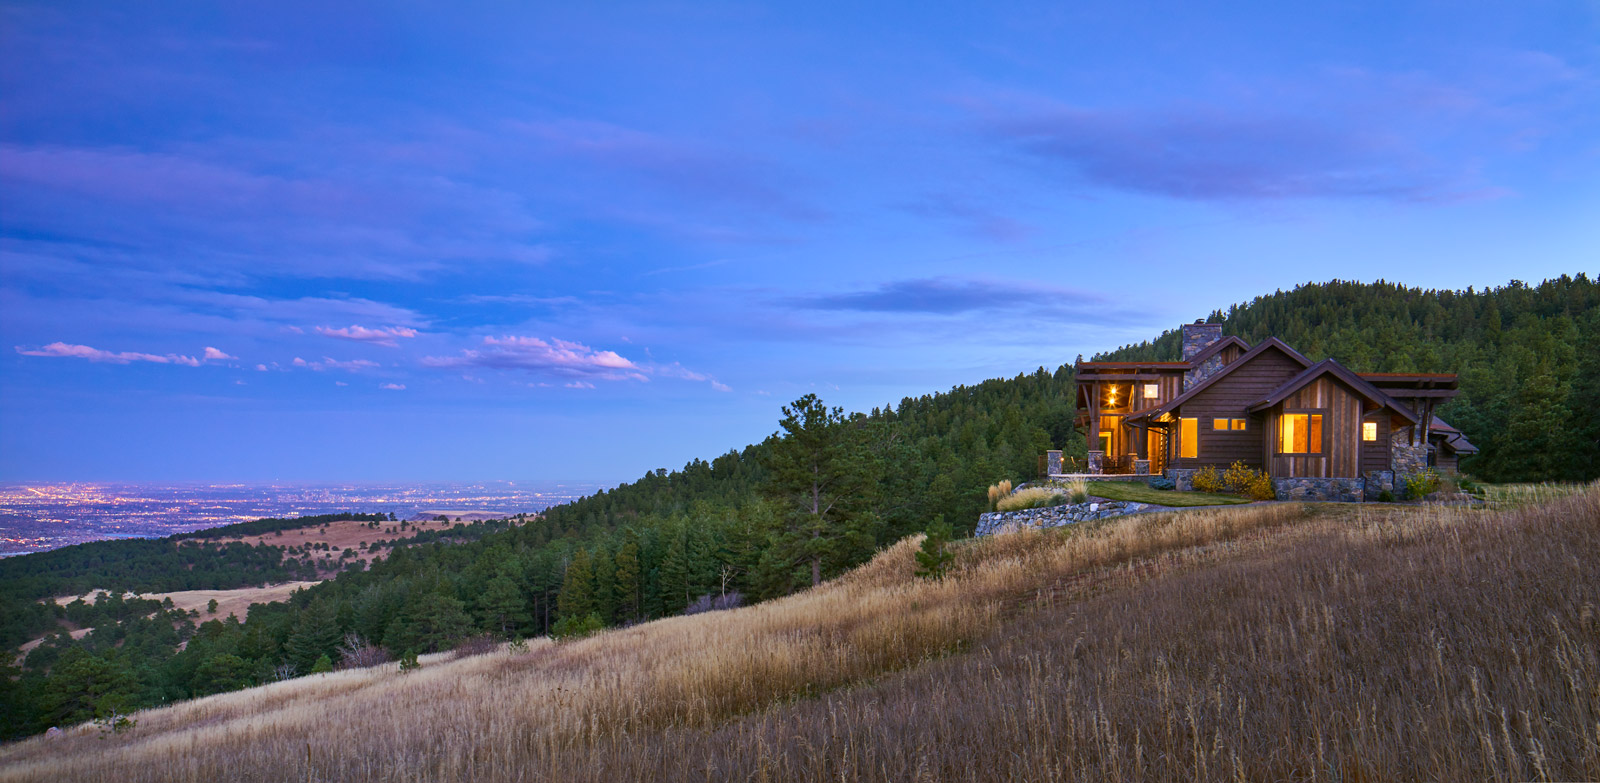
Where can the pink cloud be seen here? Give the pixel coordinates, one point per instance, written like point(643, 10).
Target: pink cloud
point(70, 351)
point(330, 363)
point(214, 355)
point(532, 353)
point(393, 386)
point(384, 336)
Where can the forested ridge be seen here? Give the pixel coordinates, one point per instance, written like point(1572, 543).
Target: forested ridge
point(733, 529)
point(1528, 358)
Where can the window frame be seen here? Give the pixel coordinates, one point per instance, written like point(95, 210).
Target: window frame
point(1322, 435)
point(1188, 447)
point(1366, 427)
point(1229, 424)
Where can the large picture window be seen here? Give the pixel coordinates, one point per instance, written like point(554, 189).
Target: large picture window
point(1188, 438)
point(1300, 433)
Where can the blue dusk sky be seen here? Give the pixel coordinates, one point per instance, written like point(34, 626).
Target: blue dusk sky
point(363, 241)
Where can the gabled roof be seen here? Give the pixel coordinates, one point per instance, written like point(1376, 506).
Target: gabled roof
point(1262, 347)
point(1372, 393)
point(1217, 346)
point(1453, 439)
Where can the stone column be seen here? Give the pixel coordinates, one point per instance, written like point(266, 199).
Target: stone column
point(1096, 461)
point(1052, 463)
point(1141, 467)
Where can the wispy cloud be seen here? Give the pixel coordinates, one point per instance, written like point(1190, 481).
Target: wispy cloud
point(216, 355)
point(951, 296)
point(70, 351)
point(970, 217)
point(329, 363)
point(1201, 153)
point(388, 335)
point(392, 386)
point(677, 165)
point(555, 356)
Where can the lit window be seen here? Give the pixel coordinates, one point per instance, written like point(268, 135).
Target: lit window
point(1188, 438)
point(1369, 430)
point(1227, 424)
point(1238, 424)
point(1300, 433)
point(1219, 424)
point(1151, 391)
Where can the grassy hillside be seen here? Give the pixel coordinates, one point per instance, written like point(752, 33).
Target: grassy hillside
point(1263, 642)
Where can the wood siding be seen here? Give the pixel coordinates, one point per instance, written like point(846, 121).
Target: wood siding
point(1341, 432)
point(1124, 439)
point(1375, 454)
point(1227, 399)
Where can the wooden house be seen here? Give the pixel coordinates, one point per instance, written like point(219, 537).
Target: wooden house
point(1318, 428)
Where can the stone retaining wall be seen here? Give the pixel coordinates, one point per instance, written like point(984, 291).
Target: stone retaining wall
point(1344, 490)
point(1055, 516)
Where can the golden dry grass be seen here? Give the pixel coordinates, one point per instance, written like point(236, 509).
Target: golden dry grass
point(1262, 642)
point(236, 601)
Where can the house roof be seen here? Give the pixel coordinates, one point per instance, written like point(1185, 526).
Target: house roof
point(1372, 393)
point(1453, 439)
point(1261, 347)
point(1217, 346)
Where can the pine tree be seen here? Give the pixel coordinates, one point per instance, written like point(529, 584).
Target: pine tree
point(822, 472)
point(435, 622)
point(627, 577)
point(501, 605)
point(674, 573)
point(933, 558)
point(316, 633)
point(577, 588)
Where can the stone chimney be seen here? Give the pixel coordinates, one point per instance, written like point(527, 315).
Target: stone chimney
point(1196, 337)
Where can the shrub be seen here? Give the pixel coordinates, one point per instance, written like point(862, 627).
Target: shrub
point(933, 557)
point(1032, 497)
point(481, 644)
point(1162, 483)
point(1386, 497)
point(998, 491)
point(1260, 488)
point(409, 662)
point(1422, 483)
point(577, 627)
point(323, 665)
point(732, 599)
point(1207, 479)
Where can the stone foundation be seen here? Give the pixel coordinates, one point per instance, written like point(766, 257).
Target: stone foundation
point(1095, 462)
point(1344, 490)
point(1379, 481)
point(1052, 463)
point(1183, 478)
point(1054, 516)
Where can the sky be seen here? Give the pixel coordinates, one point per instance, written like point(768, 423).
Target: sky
point(344, 241)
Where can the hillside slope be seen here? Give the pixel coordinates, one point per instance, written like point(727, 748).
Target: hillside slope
point(1260, 642)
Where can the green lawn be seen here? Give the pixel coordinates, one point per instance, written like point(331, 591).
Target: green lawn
point(1139, 492)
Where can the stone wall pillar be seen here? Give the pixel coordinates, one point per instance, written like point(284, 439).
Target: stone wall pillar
point(1096, 461)
point(1407, 455)
point(1052, 463)
point(1141, 467)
